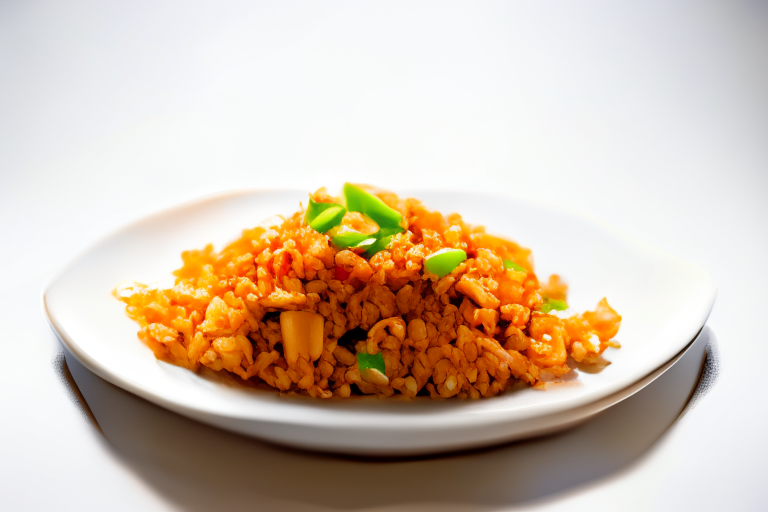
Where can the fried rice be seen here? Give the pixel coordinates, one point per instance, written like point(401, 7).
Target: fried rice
point(285, 307)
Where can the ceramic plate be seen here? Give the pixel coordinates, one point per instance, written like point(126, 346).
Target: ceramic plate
point(664, 303)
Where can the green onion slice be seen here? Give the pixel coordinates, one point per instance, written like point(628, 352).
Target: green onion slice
point(444, 261)
point(379, 244)
point(382, 232)
point(348, 239)
point(511, 264)
point(550, 304)
point(345, 238)
point(358, 200)
point(375, 361)
point(323, 216)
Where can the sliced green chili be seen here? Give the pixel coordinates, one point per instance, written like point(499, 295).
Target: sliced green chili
point(375, 361)
point(323, 216)
point(444, 261)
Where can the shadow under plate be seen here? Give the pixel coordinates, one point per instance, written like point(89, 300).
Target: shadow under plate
point(198, 467)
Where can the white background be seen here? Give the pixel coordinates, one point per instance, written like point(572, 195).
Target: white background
point(650, 115)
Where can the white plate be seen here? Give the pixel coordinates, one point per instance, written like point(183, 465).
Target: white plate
point(664, 302)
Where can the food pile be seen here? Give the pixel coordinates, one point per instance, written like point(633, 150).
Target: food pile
point(369, 294)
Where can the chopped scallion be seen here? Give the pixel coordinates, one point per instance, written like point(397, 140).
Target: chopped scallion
point(553, 304)
point(444, 261)
point(378, 245)
point(323, 216)
point(511, 264)
point(348, 239)
point(375, 361)
point(358, 200)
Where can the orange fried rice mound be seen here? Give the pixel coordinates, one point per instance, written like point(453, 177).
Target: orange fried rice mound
point(282, 306)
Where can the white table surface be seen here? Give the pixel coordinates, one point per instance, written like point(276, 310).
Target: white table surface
point(650, 115)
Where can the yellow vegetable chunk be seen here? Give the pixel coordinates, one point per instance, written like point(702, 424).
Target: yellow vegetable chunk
point(302, 335)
